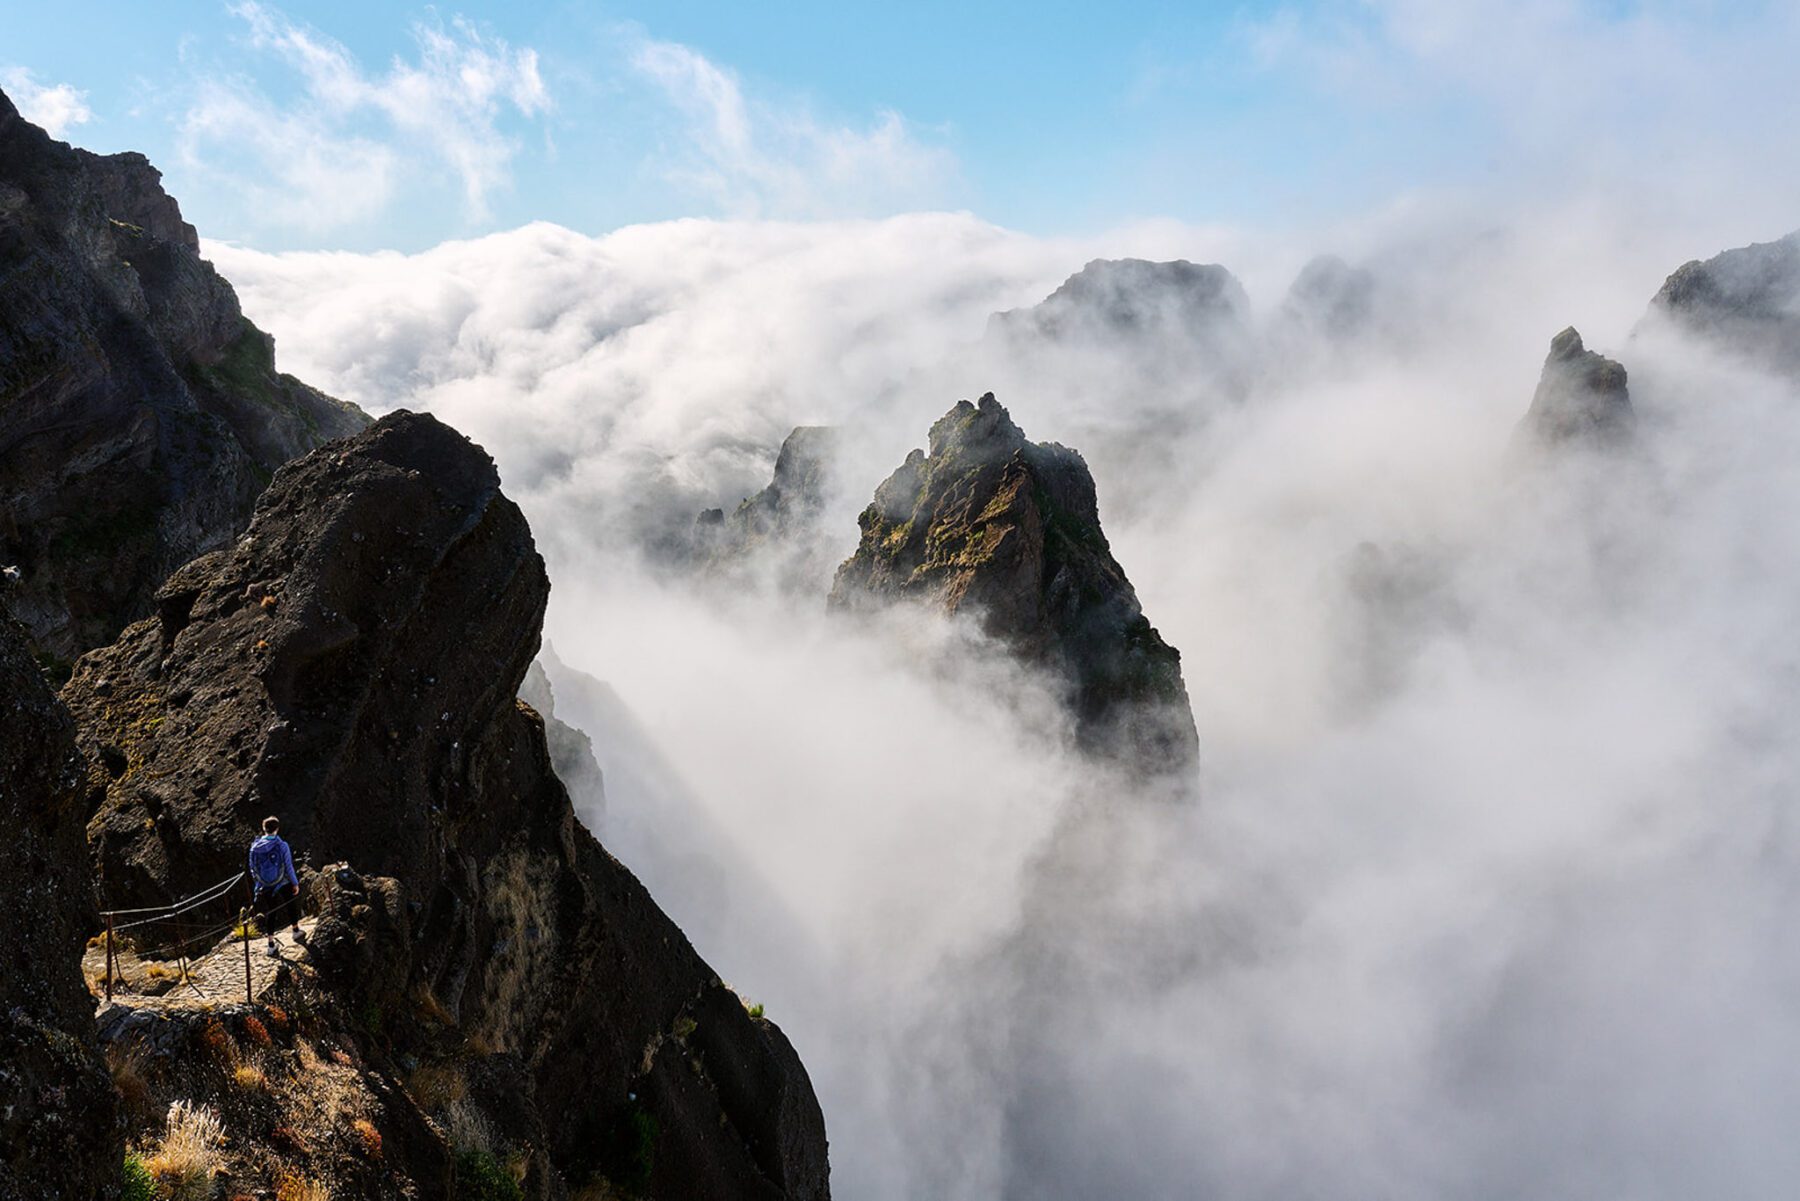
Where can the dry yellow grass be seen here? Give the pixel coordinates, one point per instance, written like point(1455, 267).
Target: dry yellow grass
point(436, 1087)
point(467, 1130)
point(430, 1008)
point(371, 1137)
point(249, 1077)
point(187, 1157)
point(128, 1063)
point(294, 1187)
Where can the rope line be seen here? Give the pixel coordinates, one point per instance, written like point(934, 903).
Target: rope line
point(175, 907)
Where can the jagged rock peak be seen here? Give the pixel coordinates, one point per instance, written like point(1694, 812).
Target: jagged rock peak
point(1746, 300)
point(1008, 530)
point(1581, 398)
point(352, 664)
point(1115, 298)
point(142, 411)
point(793, 497)
point(777, 530)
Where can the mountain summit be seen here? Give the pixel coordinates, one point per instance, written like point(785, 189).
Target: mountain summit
point(1008, 530)
point(140, 410)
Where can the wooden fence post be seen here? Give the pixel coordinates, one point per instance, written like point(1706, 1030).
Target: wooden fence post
point(109, 956)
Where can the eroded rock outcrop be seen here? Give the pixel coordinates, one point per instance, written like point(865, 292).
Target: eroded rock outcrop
point(59, 1138)
point(140, 411)
point(1581, 399)
point(351, 664)
point(1008, 530)
point(1746, 301)
point(776, 530)
point(571, 750)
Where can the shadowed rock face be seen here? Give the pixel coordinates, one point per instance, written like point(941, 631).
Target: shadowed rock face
point(351, 664)
point(776, 530)
point(1581, 398)
point(1009, 530)
point(58, 1115)
point(140, 412)
point(1745, 300)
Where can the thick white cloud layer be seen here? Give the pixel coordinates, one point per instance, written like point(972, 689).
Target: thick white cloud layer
point(1490, 890)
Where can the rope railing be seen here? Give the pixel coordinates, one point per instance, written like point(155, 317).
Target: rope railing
point(175, 905)
point(187, 931)
point(164, 913)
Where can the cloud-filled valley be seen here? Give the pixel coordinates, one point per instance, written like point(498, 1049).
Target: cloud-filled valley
point(1487, 890)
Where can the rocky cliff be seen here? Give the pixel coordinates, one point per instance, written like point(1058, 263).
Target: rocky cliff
point(140, 412)
point(351, 663)
point(1746, 301)
point(1008, 530)
point(1581, 398)
point(59, 1139)
point(775, 530)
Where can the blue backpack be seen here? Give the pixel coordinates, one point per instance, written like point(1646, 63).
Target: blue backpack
point(266, 863)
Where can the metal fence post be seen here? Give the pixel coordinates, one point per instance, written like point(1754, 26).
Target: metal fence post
point(244, 924)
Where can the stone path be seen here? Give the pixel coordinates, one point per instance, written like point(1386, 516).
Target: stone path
point(214, 978)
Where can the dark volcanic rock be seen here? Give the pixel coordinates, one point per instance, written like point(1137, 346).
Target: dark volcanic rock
point(1745, 300)
point(351, 664)
point(140, 412)
point(1009, 530)
point(1581, 398)
point(59, 1135)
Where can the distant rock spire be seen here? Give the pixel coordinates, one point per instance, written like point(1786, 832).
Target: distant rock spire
point(1581, 398)
point(1008, 530)
point(1745, 301)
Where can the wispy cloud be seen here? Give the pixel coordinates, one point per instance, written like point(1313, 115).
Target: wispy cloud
point(337, 154)
point(56, 107)
point(756, 157)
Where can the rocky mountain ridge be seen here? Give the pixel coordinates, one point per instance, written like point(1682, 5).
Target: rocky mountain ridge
point(304, 672)
point(141, 411)
point(1746, 301)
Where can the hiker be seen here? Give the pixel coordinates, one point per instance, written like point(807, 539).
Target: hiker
point(277, 900)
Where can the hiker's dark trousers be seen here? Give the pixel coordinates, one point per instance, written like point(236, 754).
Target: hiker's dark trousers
point(276, 908)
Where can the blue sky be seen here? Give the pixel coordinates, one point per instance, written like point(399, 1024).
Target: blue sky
point(360, 126)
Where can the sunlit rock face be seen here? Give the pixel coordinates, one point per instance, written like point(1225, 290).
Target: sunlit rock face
point(140, 412)
point(1008, 530)
point(1745, 301)
point(1581, 398)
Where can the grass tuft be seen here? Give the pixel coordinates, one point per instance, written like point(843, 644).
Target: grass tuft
point(186, 1159)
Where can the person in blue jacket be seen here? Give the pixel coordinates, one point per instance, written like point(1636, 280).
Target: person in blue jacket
point(277, 900)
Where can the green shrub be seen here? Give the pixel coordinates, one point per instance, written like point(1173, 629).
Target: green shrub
point(481, 1177)
point(137, 1183)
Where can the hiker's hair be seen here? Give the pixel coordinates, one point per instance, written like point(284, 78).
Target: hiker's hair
point(271, 824)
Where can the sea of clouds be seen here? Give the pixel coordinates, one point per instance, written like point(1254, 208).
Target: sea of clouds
point(1491, 884)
